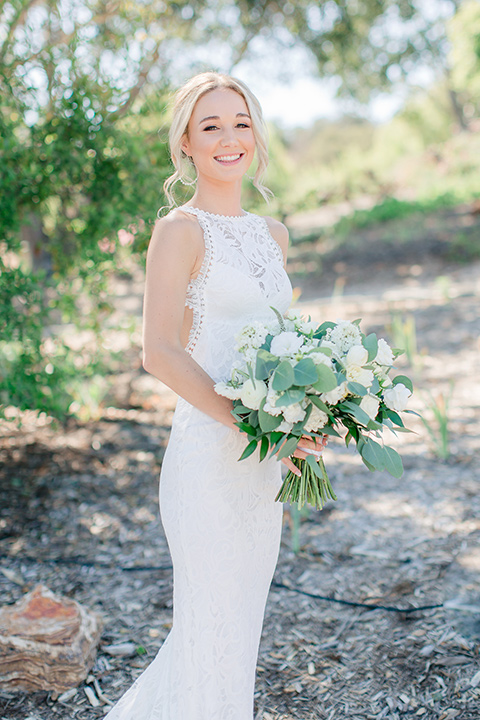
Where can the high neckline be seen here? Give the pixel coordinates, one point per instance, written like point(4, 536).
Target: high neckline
point(215, 215)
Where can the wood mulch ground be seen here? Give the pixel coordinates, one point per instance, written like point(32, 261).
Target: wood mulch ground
point(79, 513)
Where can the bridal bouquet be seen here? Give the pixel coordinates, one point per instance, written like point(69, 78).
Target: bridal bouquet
point(298, 379)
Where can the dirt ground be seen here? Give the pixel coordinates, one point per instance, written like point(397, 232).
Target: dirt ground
point(79, 513)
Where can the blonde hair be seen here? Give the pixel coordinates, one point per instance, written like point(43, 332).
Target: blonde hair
point(184, 102)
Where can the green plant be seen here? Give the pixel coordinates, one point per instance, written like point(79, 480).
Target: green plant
point(465, 247)
point(404, 335)
point(296, 517)
point(438, 427)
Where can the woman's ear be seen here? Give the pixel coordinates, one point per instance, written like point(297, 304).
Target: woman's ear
point(185, 146)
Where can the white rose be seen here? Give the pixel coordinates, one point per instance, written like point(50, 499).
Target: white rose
point(270, 406)
point(287, 343)
point(222, 388)
point(331, 345)
point(355, 373)
point(332, 397)
point(317, 420)
point(357, 355)
point(319, 358)
point(384, 354)
point(252, 394)
point(293, 413)
point(284, 427)
point(396, 397)
point(370, 404)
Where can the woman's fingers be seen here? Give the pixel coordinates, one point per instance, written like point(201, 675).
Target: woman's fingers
point(286, 461)
point(310, 446)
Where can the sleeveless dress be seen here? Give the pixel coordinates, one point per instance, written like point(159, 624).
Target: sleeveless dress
point(220, 518)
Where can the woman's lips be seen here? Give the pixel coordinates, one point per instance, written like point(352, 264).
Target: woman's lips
point(229, 159)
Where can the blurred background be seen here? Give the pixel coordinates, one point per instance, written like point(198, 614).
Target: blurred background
point(373, 113)
point(372, 108)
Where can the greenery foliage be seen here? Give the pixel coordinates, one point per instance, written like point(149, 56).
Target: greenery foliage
point(83, 97)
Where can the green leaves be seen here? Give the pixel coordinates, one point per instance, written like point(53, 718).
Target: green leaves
point(266, 362)
point(283, 377)
point(305, 372)
point(404, 380)
point(378, 457)
point(357, 389)
point(326, 379)
point(290, 397)
point(268, 422)
point(357, 412)
point(370, 343)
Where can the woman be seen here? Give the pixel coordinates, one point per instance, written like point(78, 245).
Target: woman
point(211, 269)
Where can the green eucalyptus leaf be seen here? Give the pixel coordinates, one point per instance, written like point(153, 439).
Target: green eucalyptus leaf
point(372, 468)
point(394, 417)
point(266, 363)
point(290, 397)
point(357, 388)
point(326, 379)
point(329, 430)
point(305, 372)
point(374, 387)
point(283, 377)
point(268, 422)
point(393, 462)
point(356, 411)
point(404, 380)
point(322, 329)
point(373, 453)
point(370, 343)
point(320, 404)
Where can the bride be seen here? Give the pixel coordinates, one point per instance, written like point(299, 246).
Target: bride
point(211, 269)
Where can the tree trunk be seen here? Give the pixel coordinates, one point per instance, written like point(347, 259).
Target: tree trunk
point(31, 232)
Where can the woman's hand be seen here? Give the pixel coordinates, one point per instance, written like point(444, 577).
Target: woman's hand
point(306, 446)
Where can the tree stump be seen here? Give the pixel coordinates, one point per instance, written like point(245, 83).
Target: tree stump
point(47, 642)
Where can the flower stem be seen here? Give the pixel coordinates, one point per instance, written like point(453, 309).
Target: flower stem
point(309, 488)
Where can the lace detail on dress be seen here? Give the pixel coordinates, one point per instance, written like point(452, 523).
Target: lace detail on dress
point(274, 243)
point(195, 298)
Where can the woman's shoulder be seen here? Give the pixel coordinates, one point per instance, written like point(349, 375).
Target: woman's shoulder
point(176, 233)
point(177, 218)
point(177, 224)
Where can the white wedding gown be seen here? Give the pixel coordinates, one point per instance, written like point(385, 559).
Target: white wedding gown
point(221, 521)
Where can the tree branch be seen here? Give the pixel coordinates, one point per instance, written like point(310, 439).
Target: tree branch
point(135, 90)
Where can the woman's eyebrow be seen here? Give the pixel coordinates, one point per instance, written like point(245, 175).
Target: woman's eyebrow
point(216, 117)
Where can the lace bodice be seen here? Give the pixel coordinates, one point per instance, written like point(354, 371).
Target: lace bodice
point(241, 278)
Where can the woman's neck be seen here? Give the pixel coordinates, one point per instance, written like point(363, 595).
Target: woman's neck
point(220, 200)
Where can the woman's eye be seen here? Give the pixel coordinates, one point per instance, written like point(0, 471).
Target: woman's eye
point(243, 125)
point(210, 127)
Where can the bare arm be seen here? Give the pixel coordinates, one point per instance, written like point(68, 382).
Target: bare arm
point(174, 253)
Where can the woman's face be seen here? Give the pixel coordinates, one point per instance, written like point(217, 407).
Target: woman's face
point(220, 137)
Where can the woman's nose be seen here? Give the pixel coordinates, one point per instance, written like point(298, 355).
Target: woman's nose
point(229, 137)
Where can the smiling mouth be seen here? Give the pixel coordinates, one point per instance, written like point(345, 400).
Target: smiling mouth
point(229, 159)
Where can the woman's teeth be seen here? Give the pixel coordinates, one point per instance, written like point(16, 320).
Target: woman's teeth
point(228, 158)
